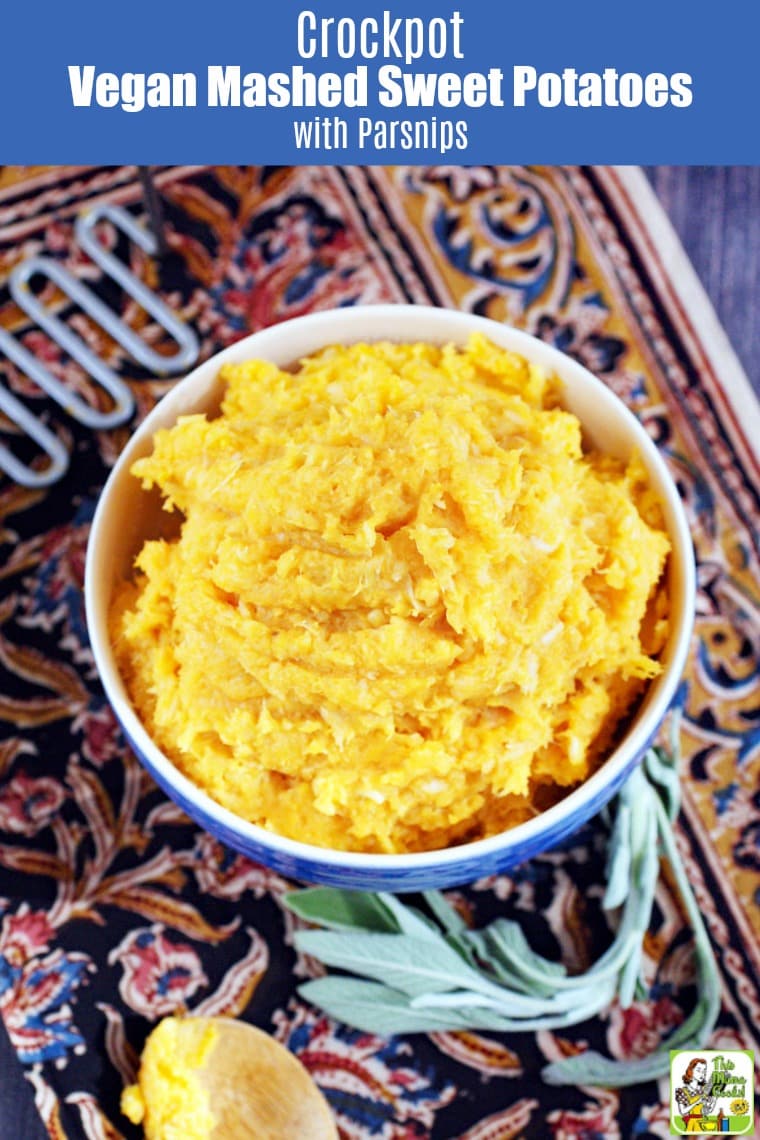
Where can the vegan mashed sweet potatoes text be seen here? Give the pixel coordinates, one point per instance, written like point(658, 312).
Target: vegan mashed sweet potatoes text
point(405, 607)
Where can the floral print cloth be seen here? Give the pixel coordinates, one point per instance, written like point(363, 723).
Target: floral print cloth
point(115, 910)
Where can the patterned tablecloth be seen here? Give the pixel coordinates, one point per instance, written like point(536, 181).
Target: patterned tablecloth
point(115, 909)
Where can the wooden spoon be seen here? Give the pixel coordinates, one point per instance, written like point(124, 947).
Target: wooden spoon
point(259, 1089)
point(256, 1088)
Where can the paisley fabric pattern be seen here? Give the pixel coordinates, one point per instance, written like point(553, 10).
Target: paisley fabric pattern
point(114, 909)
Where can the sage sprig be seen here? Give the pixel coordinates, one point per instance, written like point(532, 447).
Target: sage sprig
point(425, 972)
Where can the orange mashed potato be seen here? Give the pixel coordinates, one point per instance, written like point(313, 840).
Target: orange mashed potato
point(405, 609)
point(169, 1098)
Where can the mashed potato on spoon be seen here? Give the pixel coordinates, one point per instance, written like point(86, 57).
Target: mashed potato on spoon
point(406, 608)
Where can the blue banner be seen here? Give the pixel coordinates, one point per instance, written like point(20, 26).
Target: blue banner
point(306, 82)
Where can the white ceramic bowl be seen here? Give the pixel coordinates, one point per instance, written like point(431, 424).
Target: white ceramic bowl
point(126, 515)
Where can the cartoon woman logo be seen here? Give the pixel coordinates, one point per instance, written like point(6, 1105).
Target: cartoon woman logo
point(694, 1099)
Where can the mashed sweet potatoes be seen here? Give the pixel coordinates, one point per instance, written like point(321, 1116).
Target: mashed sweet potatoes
point(405, 609)
point(169, 1099)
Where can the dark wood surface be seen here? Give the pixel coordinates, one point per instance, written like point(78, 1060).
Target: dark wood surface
point(716, 212)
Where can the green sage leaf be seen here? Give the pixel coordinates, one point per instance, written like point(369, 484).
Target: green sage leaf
point(409, 919)
point(342, 910)
point(450, 919)
point(375, 1008)
point(406, 963)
